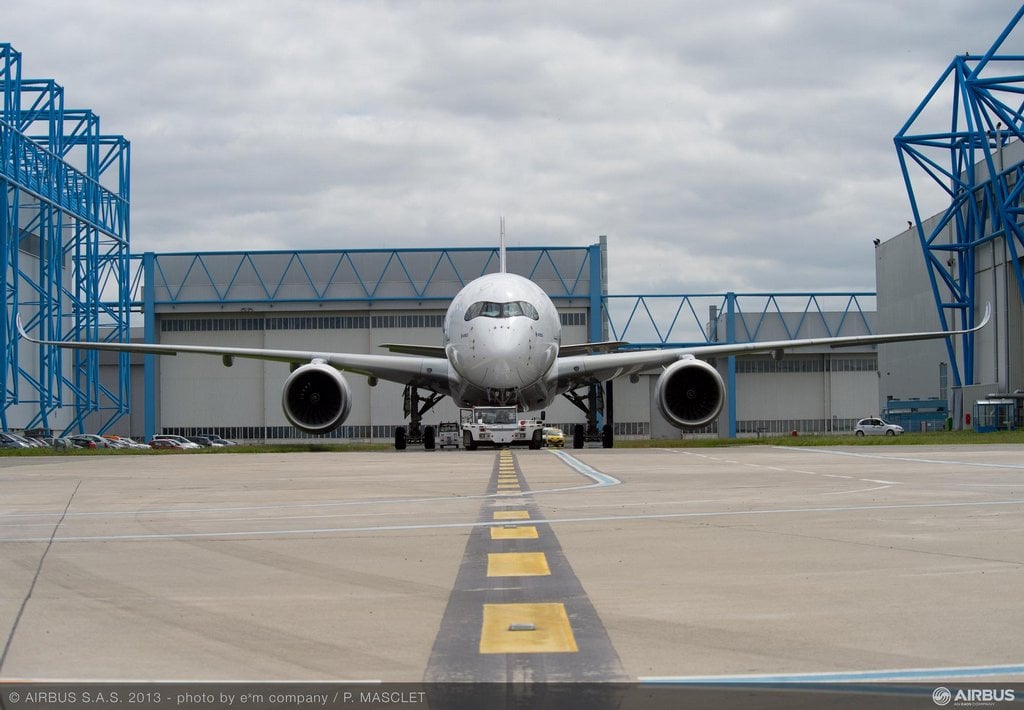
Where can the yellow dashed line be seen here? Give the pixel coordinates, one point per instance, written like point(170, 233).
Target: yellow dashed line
point(519, 532)
point(512, 515)
point(517, 564)
point(526, 628)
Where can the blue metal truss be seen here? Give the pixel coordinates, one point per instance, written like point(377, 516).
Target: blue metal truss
point(965, 161)
point(354, 275)
point(74, 223)
point(682, 320)
point(676, 320)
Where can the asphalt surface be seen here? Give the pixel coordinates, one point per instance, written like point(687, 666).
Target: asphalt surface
point(661, 565)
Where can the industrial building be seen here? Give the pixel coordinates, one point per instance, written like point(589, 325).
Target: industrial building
point(358, 300)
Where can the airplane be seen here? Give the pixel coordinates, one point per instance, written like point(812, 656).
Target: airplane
point(502, 345)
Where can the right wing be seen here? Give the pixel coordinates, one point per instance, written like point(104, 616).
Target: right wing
point(426, 372)
point(585, 369)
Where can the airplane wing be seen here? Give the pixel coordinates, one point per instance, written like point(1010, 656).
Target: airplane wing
point(426, 372)
point(563, 351)
point(589, 348)
point(584, 369)
point(425, 350)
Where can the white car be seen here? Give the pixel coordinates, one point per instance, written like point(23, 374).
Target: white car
point(873, 426)
point(180, 440)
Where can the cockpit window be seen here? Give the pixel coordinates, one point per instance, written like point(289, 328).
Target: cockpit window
point(490, 309)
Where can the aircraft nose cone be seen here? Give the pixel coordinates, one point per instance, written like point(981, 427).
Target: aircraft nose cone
point(501, 357)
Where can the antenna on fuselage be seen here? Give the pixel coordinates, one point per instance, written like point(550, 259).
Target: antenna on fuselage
point(501, 248)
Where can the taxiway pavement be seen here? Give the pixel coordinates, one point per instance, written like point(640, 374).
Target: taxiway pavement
point(658, 565)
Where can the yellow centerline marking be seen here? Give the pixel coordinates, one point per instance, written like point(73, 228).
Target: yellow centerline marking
point(517, 564)
point(550, 632)
point(519, 532)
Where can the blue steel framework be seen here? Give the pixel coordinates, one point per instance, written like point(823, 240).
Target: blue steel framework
point(675, 320)
point(74, 221)
point(965, 161)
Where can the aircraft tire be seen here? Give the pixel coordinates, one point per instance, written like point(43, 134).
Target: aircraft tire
point(429, 438)
point(538, 439)
point(607, 437)
point(400, 438)
point(578, 436)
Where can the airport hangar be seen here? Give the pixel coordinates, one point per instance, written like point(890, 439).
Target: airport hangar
point(70, 274)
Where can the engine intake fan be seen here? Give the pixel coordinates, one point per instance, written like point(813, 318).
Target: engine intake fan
point(690, 393)
point(316, 398)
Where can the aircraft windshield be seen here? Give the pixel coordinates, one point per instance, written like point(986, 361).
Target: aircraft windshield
point(490, 309)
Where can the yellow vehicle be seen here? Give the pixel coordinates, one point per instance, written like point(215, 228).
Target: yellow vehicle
point(553, 436)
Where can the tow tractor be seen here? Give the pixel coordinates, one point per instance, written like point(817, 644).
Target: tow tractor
point(499, 426)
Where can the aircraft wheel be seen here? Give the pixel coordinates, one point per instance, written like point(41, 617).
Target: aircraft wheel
point(538, 439)
point(400, 438)
point(607, 437)
point(578, 436)
point(429, 439)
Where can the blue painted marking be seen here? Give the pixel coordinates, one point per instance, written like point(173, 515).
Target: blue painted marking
point(909, 674)
point(602, 479)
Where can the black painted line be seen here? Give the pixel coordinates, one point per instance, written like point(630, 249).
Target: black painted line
point(456, 655)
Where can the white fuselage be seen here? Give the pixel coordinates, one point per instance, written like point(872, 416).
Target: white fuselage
point(501, 336)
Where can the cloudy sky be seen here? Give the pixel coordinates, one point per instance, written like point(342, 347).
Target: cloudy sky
point(742, 145)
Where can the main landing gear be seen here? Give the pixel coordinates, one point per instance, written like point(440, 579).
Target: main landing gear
point(415, 406)
point(592, 400)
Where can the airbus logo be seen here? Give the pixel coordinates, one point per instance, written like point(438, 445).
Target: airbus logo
point(966, 697)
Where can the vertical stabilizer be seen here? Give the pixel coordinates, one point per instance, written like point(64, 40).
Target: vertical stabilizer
point(501, 248)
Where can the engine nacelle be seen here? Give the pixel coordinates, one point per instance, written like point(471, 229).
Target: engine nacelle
point(690, 393)
point(316, 398)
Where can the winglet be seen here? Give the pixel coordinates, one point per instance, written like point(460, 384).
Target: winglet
point(984, 318)
point(21, 330)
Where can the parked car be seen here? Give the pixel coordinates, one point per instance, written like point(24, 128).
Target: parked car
point(164, 444)
point(124, 442)
point(29, 443)
point(12, 441)
point(182, 441)
point(90, 441)
point(218, 440)
point(61, 443)
point(553, 436)
point(203, 441)
point(873, 426)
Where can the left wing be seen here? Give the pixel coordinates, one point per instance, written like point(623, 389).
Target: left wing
point(590, 368)
point(427, 372)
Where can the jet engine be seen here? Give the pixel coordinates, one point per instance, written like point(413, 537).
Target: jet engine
point(316, 398)
point(689, 393)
